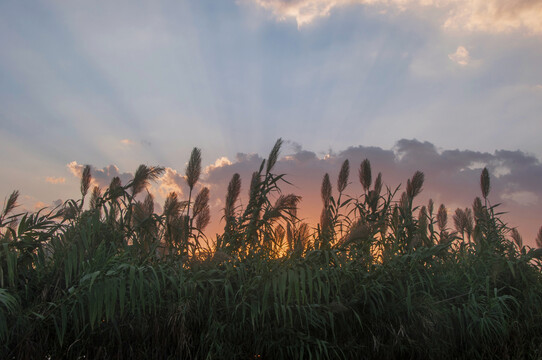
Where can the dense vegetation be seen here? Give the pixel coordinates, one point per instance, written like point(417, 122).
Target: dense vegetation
point(379, 277)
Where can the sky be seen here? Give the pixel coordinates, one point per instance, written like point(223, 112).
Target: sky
point(441, 86)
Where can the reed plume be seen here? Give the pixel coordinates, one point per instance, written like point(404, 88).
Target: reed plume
point(326, 190)
point(422, 220)
point(478, 209)
point(143, 175)
point(469, 222)
point(464, 222)
point(484, 183)
point(342, 181)
point(459, 221)
point(359, 232)
point(10, 204)
point(365, 174)
point(273, 156)
point(202, 200)
point(284, 205)
point(414, 185)
point(516, 237)
point(95, 197)
point(430, 206)
point(234, 189)
point(442, 217)
point(378, 184)
point(85, 180)
point(115, 188)
point(172, 206)
point(193, 169)
point(204, 218)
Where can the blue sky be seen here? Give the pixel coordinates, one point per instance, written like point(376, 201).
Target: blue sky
point(127, 82)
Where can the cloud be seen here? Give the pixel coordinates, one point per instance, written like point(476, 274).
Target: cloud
point(521, 197)
point(461, 56)
point(55, 180)
point(220, 162)
point(303, 11)
point(100, 177)
point(171, 181)
point(496, 16)
point(493, 16)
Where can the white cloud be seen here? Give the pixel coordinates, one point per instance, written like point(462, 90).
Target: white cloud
point(171, 181)
point(461, 56)
point(220, 162)
point(494, 16)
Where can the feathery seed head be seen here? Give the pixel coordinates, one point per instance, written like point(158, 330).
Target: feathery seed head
point(372, 200)
point(378, 184)
point(254, 186)
point(11, 203)
point(96, 194)
point(287, 203)
point(469, 221)
point(414, 185)
point(325, 219)
point(326, 190)
point(143, 175)
point(85, 180)
point(203, 218)
point(430, 206)
point(422, 219)
point(365, 174)
point(234, 189)
point(115, 187)
point(193, 169)
point(459, 221)
point(516, 237)
point(201, 201)
point(273, 155)
point(442, 217)
point(478, 208)
point(484, 183)
point(342, 181)
point(172, 206)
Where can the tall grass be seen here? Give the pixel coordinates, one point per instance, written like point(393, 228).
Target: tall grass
point(379, 277)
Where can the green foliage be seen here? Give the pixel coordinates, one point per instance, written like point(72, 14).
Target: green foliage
point(377, 278)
